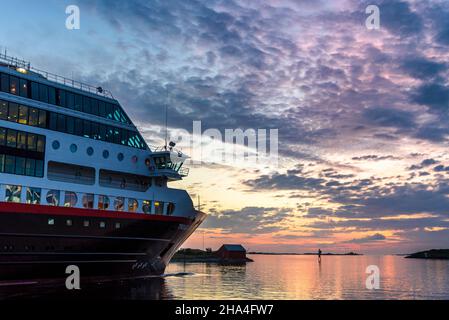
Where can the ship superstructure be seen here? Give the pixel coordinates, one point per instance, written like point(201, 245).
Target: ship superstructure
point(78, 183)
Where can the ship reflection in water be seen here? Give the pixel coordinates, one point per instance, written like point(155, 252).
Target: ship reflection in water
point(273, 277)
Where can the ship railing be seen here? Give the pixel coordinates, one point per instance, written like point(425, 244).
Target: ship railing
point(18, 63)
point(184, 172)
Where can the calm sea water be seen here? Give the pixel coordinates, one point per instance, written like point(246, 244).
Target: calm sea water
point(277, 277)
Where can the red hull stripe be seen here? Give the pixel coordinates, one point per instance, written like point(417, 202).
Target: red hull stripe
point(11, 207)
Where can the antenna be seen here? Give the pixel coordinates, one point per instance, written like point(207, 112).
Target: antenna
point(166, 118)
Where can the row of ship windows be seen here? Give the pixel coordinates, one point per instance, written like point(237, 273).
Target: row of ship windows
point(21, 166)
point(63, 98)
point(35, 117)
point(22, 140)
point(13, 193)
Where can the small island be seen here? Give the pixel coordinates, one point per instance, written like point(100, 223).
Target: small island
point(430, 254)
point(227, 254)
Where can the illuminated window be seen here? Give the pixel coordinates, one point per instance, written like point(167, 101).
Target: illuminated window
point(69, 222)
point(88, 200)
point(103, 202)
point(159, 207)
point(102, 224)
point(13, 193)
point(70, 199)
point(146, 206)
point(119, 203)
point(51, 222)
point(117, 225)
point(132, 205)
point(53, 197)
point(86, 223)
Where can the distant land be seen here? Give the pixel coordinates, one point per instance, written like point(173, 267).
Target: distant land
point(307, 253)
point(430, 254)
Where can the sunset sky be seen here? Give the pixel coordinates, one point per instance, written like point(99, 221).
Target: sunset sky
point(362, 114)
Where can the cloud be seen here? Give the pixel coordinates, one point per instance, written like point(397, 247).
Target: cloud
point(254, 220)
point(373, 238)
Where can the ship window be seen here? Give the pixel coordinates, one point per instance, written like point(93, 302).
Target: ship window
point(158, 207)
point(69, 222)
point(33, 196)
point(42, 118)
point(146, 206)
point(86, 105)
point(70, 100)
point(105, 154)
point(33, 119)
point(21, 140)
point(88, 200)
point(5, 82)
point(73, 148)
point(30, 169)
point(102, 109)
point(20, 166)
point(14, 85)
point(86, 129)
point(13, 193)
point(23, 88)
point(90, 151)
point(61, 126)
point(11, 138)
point(51, 95)
point(103, 202)
point(23, 114)
point(122, 180)
point(120, 156)
point(78, 102)
point(55, 145)
point(2, 136)
point(94, 106)
point(43, 93)
point(53, 197)
point(102, 224)
point(117, 225)
point(51, 222)
point(2, 162)
point(70, 125)
point(132, 205)
point(13, 113)
point(70, 199)
point(3, 110)
point(78, 127)
point(34, 91)
point(119, 203)
point(170, 208)
point(10, 163)
point(31, 142)
point(66, 172)
point(40, 144)
point(95, 131)
point(39, 168)
point(86, 223)
point(53, 121)
point(61, 98)
point(102, 132)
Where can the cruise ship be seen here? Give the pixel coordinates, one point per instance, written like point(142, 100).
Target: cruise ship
point(80, 186)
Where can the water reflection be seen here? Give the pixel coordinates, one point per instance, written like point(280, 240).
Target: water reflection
point(270, 277)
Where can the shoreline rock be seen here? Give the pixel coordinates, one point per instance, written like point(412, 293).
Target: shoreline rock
point(442, 254)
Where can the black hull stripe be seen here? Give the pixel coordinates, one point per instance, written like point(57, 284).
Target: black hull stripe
point(73, 261)
point(73, 253)
point(78, 236)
